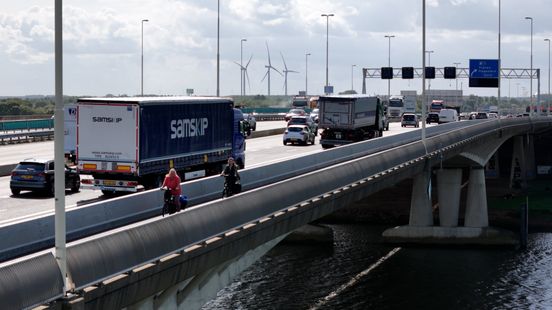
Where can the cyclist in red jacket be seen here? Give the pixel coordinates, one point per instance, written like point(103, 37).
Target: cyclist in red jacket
point(172, 183)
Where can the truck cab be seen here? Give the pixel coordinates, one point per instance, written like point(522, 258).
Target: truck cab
point(241, 129)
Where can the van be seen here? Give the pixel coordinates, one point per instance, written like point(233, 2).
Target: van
point(447, 116)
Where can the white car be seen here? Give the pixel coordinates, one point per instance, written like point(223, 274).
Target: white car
point(298, 134)
point(447, 116)
point(315, 114)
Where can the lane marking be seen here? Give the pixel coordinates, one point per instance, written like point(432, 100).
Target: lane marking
point(354, 280)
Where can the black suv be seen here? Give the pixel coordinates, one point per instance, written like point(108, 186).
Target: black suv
point(38, 175)
point(432, 118)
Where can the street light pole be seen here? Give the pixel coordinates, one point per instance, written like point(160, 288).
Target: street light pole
point(327, 41)
point(242, 71)
point(456, 64)
point(352, 84)
point(59, 167)
point(499, 60)
point(429, 57)
point(142, 63)
point(429, 65)
point(218, 48)
point(389, 65)
point(531, 71)
point(549, 98)
point(307, 73)
point(424, 101)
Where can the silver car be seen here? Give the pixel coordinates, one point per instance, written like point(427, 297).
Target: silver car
point(298, 134)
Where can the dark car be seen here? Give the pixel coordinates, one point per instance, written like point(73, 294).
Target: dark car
point(482, 115)
point(432, 118)
point(38, 175)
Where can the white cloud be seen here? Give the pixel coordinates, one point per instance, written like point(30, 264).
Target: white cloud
point(103, 36)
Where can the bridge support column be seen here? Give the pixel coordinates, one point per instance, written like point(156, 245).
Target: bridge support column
point(449, 182)
point(420, 203)
point(518, 174)
point(475, 231)
point(530, 157)
point(476, 205)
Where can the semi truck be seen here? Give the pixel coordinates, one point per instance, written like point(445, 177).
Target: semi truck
point(301, 102)
point(128, 144)
point(395, 107)
point(349, 118)
point(70, 133)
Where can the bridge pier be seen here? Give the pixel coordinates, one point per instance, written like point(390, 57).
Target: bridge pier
point(420, 203)
point(449, 186)
point(476, 205)
point(476, 230)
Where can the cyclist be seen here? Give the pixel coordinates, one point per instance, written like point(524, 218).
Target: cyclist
point(231, 175)
point(172, 183)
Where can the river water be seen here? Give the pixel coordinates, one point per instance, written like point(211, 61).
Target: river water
point(360, 272)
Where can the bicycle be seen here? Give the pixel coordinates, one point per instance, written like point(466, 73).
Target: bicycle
point(169, 205)
point(227, 190)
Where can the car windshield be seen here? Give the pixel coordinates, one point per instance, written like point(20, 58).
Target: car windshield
point(296, 111)
point(295, 129)
point(408, 117)
point(30, 166)
point(298, 121)
point(396, 103)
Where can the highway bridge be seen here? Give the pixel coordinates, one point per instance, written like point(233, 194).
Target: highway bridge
point(183, 260)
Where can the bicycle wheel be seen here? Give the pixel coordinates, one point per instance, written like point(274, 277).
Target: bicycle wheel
point(164, 210)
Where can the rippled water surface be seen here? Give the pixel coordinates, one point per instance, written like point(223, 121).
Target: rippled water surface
point(359, 272)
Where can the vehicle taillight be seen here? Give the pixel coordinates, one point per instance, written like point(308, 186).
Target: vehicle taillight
point(86, 181)
point(42, 174)
point(13, 173)
point(132, 183)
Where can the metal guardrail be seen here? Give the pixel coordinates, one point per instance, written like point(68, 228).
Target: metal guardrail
point(103, 256)
point(25, 136)
point(29, 283)
point(27, 124)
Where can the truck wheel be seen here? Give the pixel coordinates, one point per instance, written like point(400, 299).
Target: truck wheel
point(52, 190)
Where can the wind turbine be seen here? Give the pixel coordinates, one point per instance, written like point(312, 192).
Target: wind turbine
point(286, 71)
point(244, 73)
point(268, 69)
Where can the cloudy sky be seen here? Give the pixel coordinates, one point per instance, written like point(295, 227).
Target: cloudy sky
point(102, 43)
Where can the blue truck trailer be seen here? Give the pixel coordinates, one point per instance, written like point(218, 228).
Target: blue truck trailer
point(130, 143)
